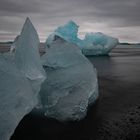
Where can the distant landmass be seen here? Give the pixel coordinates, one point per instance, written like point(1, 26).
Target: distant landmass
point(42, 43)
point(7, 42)
point(125, 43)
point(5, 47)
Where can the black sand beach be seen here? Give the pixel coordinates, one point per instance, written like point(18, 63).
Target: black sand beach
point(115, 116)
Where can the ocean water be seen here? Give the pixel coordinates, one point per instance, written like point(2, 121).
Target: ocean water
point(116, 115)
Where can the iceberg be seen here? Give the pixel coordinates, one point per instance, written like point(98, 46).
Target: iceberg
point(71, 84)
point(92, 44)
point(21, 75)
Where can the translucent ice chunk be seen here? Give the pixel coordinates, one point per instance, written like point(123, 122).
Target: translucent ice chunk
point(98, 44)
point(21, 76)
point(71, 84)
point(16, 97)
point(92, 44)
point(27, 55)
point(68, 32)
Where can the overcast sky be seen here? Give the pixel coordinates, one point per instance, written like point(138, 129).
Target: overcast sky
point(118, 18)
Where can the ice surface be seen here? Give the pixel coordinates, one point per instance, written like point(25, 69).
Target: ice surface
point(67, 32)
point(27, 55)
point(13, 46)
point(16, 97)
point(98, 44)
point(71, 83)
point(21, 76)
point(92, 44)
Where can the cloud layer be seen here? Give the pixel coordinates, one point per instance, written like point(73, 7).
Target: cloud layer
point(118, 18)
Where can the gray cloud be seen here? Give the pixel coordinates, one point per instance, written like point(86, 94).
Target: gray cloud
point(119, 18)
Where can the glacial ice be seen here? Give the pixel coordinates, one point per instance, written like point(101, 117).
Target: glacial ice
point(21, 76)
point(27, 55)
point(92, 44)
point(71, 83)
point(16, 97)
point(68, 32)
point(98, 44)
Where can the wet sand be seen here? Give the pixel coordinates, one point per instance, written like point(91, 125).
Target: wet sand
point(115, 116)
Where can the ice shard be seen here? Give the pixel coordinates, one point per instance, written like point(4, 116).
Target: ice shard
point(92, 44)
point(27, 57)
point(71, 84)
point(21, 76)
point(16, 97)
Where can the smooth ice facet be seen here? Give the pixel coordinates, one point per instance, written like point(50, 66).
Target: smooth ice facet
point(16, 97)
point(71, 84)
point(27, 55)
